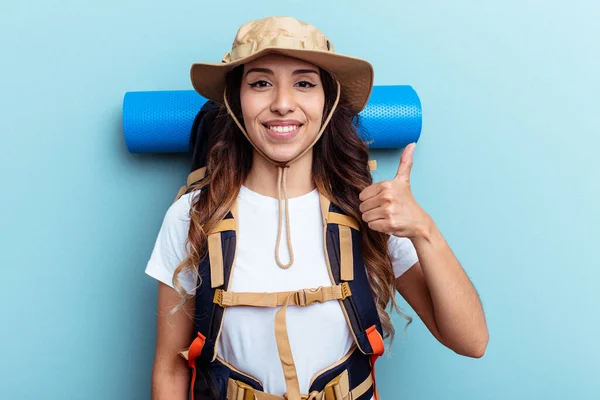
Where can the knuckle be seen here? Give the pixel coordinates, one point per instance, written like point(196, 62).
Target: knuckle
point(386, 185)
point(389, 210)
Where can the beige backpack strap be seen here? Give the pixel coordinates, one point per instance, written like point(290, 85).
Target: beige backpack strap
point(344, 223)
point(216, 260)
point(196, 175)
point(286, 357)
point(344, 220)
point(373, 165)
point(346, 256)
point(193, 177)
point(302, 298)
point(215, 252)
point(325, 203)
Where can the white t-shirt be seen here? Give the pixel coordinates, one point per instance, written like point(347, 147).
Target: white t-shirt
point(247, 340)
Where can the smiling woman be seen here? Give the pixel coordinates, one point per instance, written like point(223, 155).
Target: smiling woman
point(282, 102)
point(309, 320)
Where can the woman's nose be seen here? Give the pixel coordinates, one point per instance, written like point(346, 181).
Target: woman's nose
point(283, 101)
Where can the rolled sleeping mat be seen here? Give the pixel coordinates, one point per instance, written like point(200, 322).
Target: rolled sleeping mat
point(161, 121)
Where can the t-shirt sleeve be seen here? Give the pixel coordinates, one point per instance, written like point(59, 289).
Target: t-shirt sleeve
point(170, 246)
point(403, 254)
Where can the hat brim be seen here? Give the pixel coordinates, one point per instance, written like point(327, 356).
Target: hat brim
point(354, 74)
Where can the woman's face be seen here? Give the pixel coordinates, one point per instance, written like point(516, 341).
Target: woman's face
point(282, 101)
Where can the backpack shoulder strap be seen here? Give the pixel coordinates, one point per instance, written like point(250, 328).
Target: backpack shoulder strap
point(345, 262)
point(193, 177)
point(214, 273)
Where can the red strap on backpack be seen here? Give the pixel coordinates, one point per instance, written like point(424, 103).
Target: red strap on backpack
point(194, 352)
point(376, 342)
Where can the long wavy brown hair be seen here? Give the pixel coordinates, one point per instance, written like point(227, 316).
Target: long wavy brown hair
point(340, 172)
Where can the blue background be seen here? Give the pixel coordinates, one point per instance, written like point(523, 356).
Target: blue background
point(507, 166)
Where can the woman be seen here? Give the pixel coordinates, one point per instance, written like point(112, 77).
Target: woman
point(286, 166)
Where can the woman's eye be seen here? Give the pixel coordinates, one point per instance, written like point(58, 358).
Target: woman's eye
point(306, 84)
point(259, 84)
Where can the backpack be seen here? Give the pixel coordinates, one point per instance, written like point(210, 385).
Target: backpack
point(352, 377)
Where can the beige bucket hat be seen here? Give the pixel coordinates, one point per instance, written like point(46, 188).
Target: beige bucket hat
point(290, 37)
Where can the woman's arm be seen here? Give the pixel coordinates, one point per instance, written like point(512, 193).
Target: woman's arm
point(440, 292)
point(436, 287)
point(170, 374)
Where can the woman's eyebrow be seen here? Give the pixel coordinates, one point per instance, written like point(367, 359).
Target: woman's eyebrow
point(305, 71)
point(264, 70)
point(296, 72)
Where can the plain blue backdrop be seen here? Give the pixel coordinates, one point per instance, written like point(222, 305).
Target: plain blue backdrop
point(507, 165)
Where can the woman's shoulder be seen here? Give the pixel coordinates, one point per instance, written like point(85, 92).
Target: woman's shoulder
point(170, 245)
point(175, 226)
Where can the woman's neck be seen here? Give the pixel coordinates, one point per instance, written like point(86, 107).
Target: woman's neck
point(262, 178)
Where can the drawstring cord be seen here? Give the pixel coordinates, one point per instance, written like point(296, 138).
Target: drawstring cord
point(281, 187)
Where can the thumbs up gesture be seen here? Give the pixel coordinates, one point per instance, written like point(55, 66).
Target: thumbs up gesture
point(390, 207)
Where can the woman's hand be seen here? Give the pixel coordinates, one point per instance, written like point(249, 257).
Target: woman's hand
point(390, 206)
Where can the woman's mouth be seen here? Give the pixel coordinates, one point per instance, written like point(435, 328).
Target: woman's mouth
point(282, 132)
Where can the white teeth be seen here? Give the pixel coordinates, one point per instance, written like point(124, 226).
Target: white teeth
point(284, 129)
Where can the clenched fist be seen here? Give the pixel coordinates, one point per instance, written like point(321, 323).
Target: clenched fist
point(390, 206)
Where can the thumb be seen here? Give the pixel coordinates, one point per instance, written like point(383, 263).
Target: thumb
point(406, 162)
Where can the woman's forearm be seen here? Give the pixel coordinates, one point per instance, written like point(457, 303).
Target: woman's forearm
point(170, 384)
point(458, 312)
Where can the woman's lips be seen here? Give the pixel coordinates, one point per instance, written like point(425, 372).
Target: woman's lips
point(282, 132)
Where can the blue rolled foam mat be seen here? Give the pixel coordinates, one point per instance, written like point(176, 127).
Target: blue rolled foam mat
point(160, 121)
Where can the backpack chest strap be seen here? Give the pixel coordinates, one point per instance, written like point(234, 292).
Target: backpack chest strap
point(303, 297)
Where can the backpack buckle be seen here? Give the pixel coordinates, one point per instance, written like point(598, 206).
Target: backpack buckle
point(306, 297)
point(218, 298)
point(346, 292)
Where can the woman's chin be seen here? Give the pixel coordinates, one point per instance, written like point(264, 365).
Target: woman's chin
point(283, 157)
point(281, 153)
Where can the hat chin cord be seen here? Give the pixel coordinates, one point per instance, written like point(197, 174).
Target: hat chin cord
point(282, 168)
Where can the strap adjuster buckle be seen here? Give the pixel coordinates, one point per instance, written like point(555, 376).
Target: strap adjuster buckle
point(306, 297)
point(346, 292)
point(218, 299)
